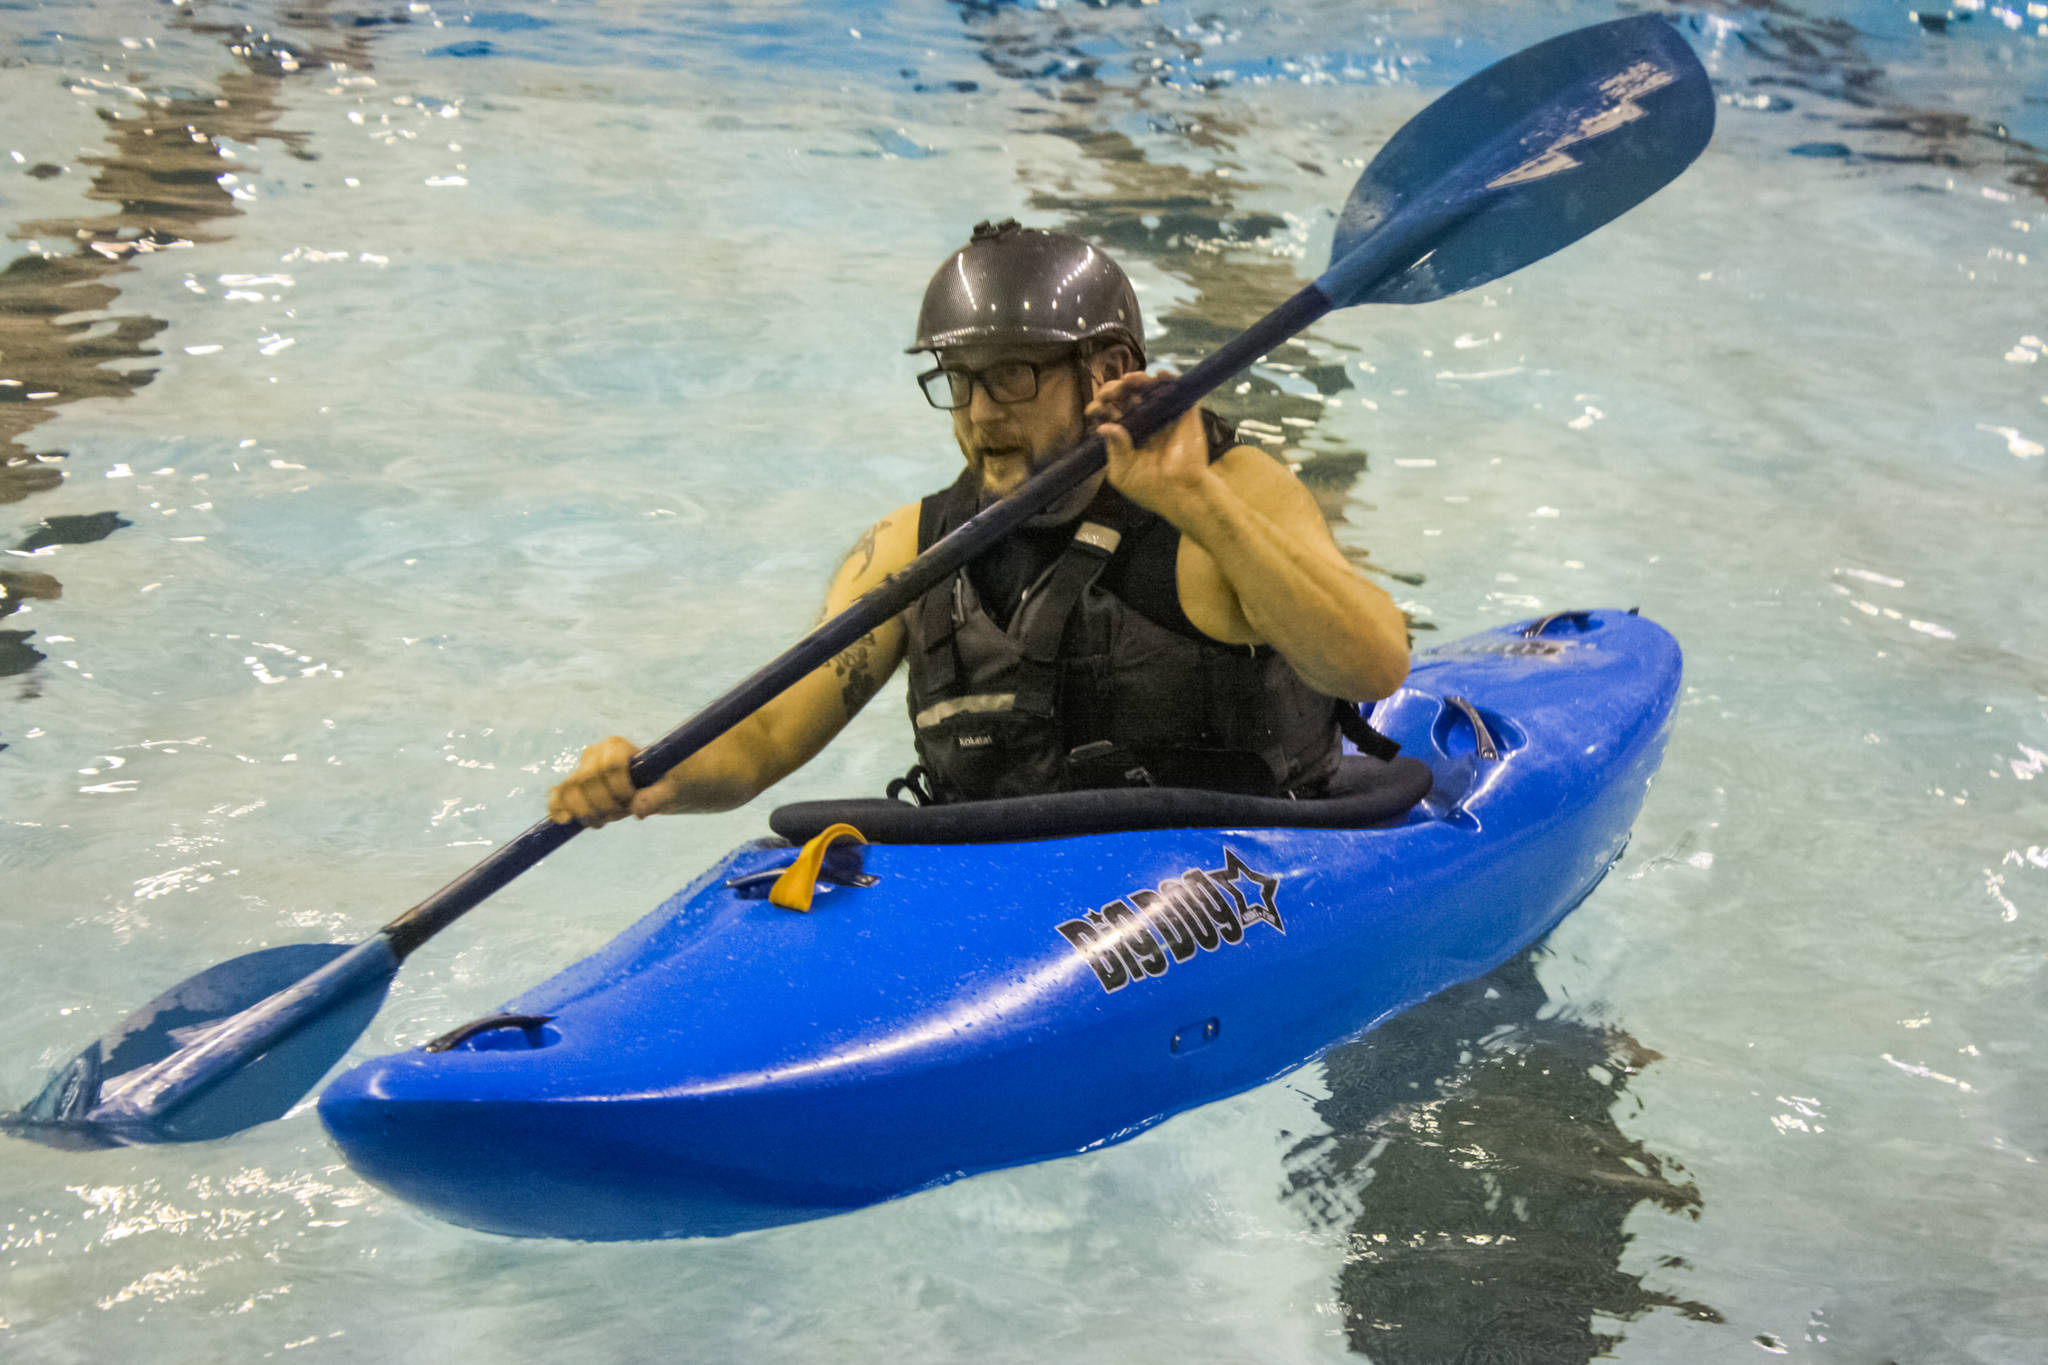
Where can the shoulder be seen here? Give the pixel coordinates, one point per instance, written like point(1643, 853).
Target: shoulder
point(899, 525)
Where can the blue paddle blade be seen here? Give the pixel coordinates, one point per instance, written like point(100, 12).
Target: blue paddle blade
point(264, 1089)
point(1526, 157)
point(68, 1111)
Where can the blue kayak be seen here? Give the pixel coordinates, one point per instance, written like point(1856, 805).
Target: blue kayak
point(1009, 982)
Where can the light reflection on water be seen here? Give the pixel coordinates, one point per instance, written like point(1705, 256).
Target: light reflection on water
point(532, 368)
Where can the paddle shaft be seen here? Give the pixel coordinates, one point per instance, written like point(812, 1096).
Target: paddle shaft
point(971, 539)
point(129, 1102)
point(1393, 248)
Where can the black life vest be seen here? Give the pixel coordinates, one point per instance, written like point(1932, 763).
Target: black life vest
point(1084, 672)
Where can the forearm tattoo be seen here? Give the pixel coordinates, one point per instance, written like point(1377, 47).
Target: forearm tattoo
point(857, 680)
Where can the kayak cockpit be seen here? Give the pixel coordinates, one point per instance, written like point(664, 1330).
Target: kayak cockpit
point(1373, 792)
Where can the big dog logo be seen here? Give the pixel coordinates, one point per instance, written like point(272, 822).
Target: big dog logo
point(1142, 934)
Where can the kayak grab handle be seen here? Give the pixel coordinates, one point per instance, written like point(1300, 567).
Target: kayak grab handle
point(754, 886)
point(529, 1024)
point(1469, 770)
point(1582, 620)
point(1482, 737)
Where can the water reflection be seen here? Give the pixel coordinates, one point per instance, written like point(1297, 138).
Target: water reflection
point(169, 173)
point(17, 655)
point(1787, 56)
point(1477, 1165)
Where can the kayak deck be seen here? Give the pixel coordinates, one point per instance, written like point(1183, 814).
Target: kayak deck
point(726, 1065)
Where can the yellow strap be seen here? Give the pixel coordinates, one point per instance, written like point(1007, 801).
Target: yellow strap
point(799, 881)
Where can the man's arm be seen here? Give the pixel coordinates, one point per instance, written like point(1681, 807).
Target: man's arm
point(779, 738)
point(1257, 563)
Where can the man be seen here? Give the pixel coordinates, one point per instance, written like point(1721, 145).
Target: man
point(1183, 619)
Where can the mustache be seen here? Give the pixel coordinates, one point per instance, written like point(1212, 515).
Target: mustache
point(1000, 443)
point(1005, 442)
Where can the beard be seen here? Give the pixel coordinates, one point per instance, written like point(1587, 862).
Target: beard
point(1010, 452)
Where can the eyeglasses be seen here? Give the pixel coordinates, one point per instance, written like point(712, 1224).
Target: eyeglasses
point(951, 387)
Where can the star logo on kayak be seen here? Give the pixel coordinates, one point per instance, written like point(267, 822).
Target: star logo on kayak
point(1236, 870)
point(1141, 935)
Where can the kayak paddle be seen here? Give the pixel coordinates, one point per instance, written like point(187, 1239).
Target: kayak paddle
point(1526, 157)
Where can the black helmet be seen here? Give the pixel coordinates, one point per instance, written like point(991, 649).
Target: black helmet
point(1012, 283)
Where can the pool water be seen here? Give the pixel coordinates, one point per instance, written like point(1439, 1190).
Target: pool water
point(396, 398)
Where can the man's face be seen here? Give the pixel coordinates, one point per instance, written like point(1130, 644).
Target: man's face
point(1004, 443)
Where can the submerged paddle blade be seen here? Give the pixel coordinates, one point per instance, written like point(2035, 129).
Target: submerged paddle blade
point(253, 1092)
point(57, 1115)
point(88, 1103)
point(1526, 157)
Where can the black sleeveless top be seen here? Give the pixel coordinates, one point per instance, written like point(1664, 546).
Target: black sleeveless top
point(1063, 660)
point(1143, 574)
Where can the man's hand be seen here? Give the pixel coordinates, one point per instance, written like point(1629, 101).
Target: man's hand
point(1256, 564)
point(1169, 472)
point(774, 741)
point(599, 791)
